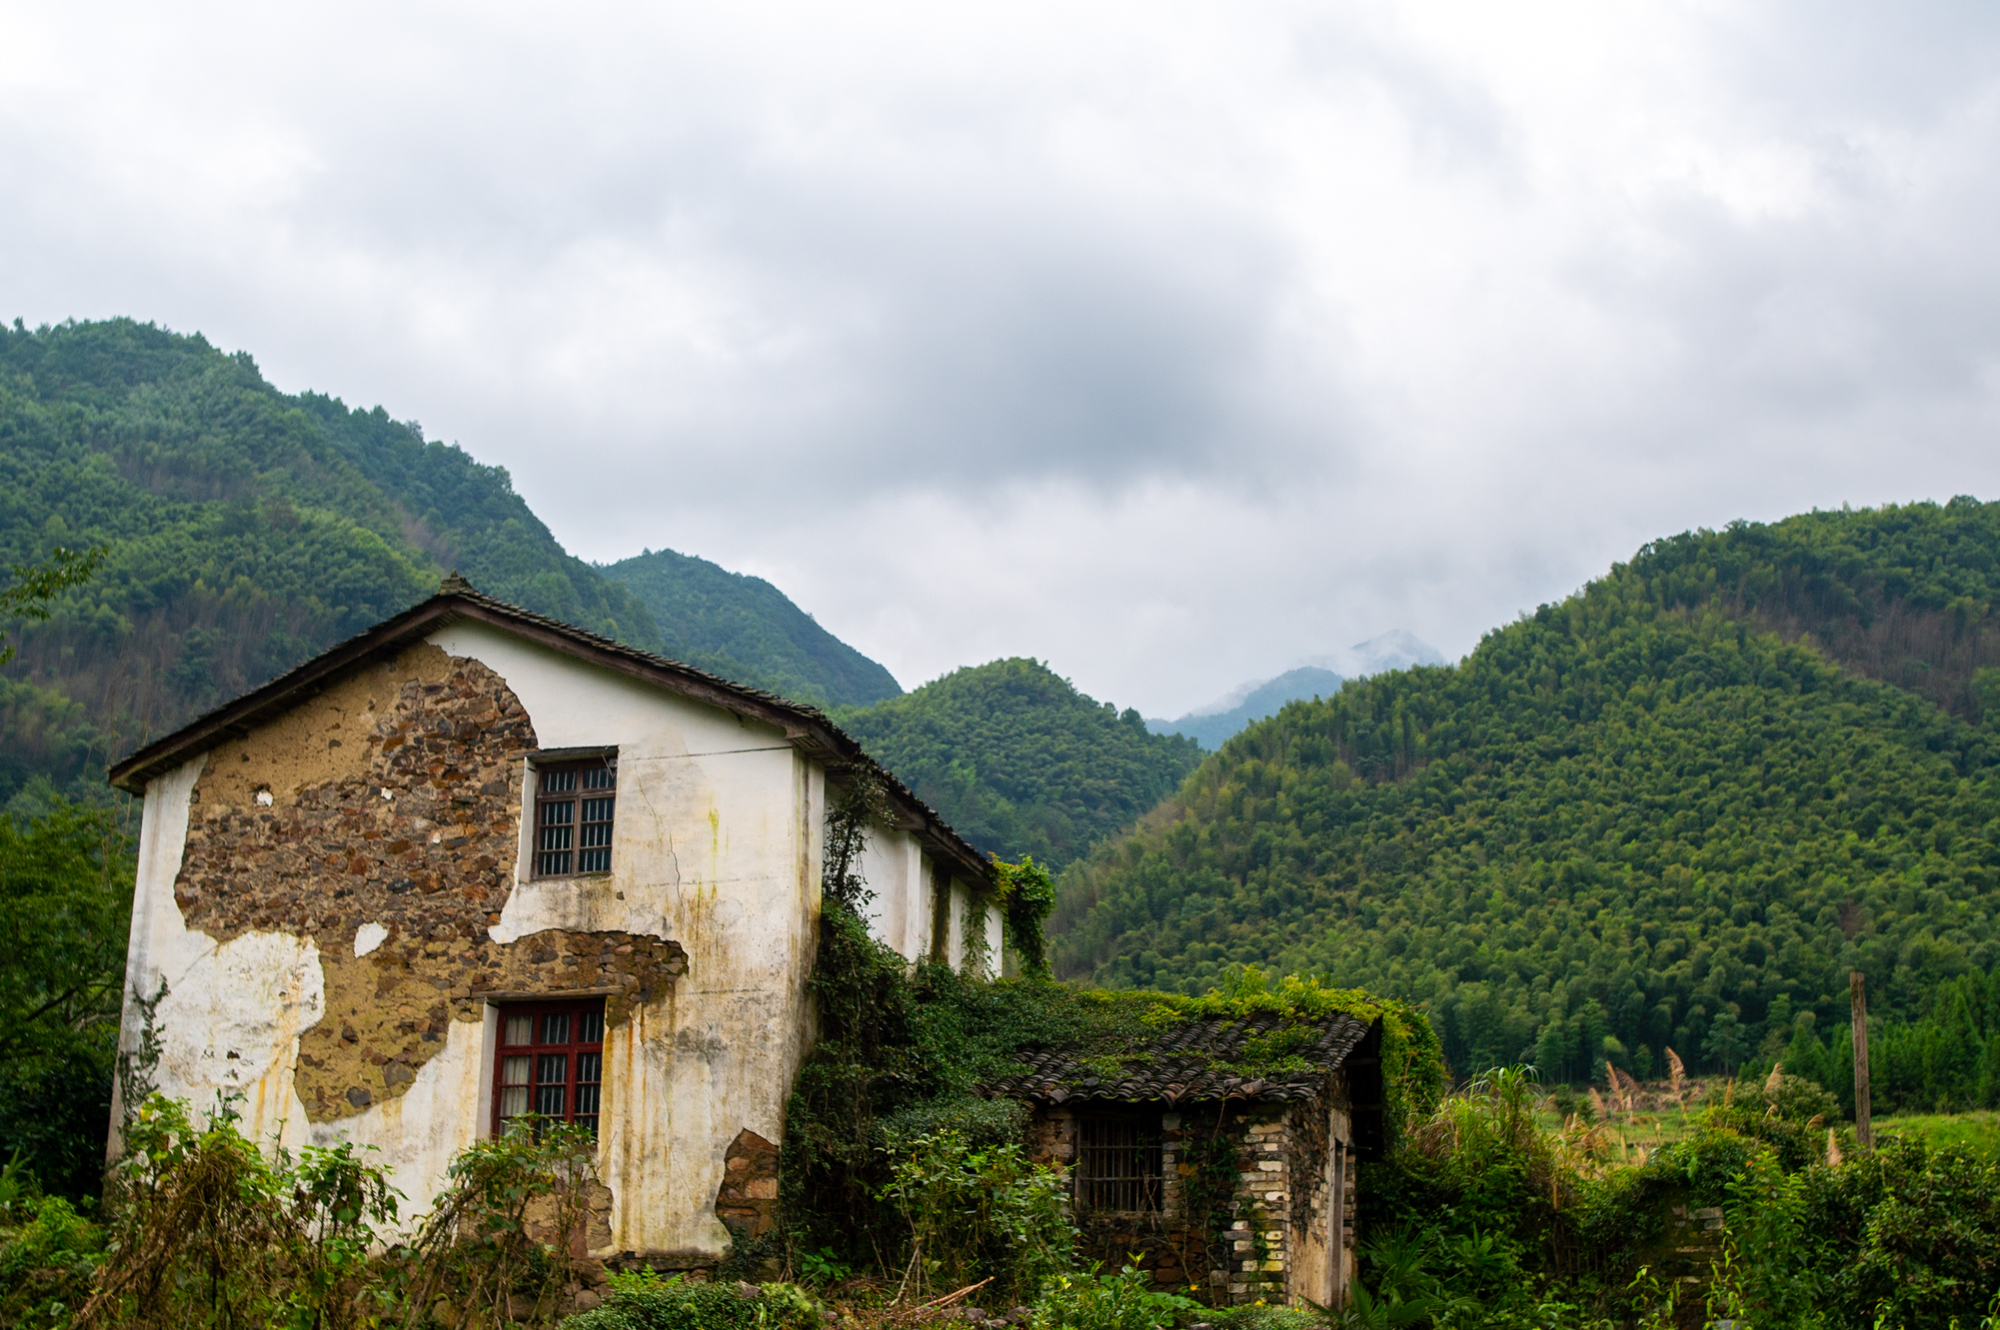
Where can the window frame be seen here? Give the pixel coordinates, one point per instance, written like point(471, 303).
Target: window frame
point(1141, 1172)
point(580, 1011)
point(577, 799)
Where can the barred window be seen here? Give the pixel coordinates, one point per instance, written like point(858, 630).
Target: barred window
point(550, 1062)
point(1118, 1164)
point(573, 807)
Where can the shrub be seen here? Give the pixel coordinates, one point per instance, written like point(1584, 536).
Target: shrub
point(976, 1212)
point(498, 1242)
point(1097, 1301)
point(643, 1300)
point(47, 1264)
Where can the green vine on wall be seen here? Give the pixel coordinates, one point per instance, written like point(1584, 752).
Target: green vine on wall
point(1027, 895)
point(1209, 1169)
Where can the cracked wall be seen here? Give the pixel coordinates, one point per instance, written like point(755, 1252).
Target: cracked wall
point(390, 803)
point(337, 894)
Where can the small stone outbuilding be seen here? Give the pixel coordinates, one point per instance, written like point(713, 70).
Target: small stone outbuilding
point(1216, 1177)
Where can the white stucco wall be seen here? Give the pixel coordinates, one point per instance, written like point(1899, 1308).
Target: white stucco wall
point(232, 1015)
point(903, 910)
point(716, 846)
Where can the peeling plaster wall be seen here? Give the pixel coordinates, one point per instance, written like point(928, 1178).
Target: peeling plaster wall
point(233, 1012)
point(337, 897)
point(899, 912)
point(716, 846)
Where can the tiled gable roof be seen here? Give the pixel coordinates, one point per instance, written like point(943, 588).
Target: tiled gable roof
point(1194, 1061)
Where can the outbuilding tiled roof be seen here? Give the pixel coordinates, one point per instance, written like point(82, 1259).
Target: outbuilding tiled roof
point(1196, 1061)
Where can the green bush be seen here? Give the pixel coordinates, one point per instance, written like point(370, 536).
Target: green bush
point(980, 1212)
point(47, 1264)
point(642, 1300)
point(1097, 1301)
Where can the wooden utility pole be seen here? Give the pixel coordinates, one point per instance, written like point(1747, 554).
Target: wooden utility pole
point(1864, 1131)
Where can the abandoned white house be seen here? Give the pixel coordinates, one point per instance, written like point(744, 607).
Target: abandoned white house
point(1200, 1172)
point(475, 863)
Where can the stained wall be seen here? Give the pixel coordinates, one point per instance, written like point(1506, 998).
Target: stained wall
point(337, 900)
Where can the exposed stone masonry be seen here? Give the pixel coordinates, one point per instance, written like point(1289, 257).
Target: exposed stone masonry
point(393, 798)
point(1254, 1260)
point(747, 1201)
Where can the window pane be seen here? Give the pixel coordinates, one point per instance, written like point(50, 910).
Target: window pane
point(592, 1029)
point(549, 1100)
point(586, 1099)
point(513, 1101)
point(556, 782)
point(520, 1030)
point(552, 1069)
point(514, 1070)
point(555, 1030)
point(589, 1068)
point(600, 778)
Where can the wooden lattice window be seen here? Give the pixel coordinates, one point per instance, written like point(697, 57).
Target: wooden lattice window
point(1118, 1164)
point(550, 1062)
point(574, 802)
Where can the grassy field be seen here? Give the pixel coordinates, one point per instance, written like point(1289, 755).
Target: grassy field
point(1976, 1131)
point(1623, 1136)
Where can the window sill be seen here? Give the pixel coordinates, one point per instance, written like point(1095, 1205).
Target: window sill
point(572, 877)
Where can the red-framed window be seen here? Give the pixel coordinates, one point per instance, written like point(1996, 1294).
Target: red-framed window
point(550, 1061)
point(574, 802)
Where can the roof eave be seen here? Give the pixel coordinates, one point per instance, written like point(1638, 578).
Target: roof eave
point(804, 727)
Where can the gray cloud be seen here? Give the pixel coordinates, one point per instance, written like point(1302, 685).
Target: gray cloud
point(1169, 345)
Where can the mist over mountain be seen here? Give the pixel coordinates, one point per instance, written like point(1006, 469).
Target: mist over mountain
point(1321, 676)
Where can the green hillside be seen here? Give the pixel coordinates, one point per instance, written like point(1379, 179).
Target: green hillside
point(747, 629)
point(1019, 761)
point(1672, 811)
point(249, 529)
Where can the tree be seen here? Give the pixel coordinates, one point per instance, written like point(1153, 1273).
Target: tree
point(1727, 1041)
point(38, 584)
point(65, 911)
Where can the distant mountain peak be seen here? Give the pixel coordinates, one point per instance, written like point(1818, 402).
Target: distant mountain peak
point(1397, 649)
point(1320, 676)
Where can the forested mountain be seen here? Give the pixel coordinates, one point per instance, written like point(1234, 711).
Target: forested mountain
point(1673, 810)
point(248, 529)
point(748, 630)
point(1019, 761)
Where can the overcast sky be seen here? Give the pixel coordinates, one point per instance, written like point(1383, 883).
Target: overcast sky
point(1171, 344)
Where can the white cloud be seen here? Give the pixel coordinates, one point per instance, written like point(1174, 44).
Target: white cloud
point(1170, 343)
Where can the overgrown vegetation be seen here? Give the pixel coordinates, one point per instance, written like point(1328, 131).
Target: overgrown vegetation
point(893, 1162)
point(65, 905)
point(1764, 1214)
point(202, 1228)
point(1656, 815)
point(1019, 761)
